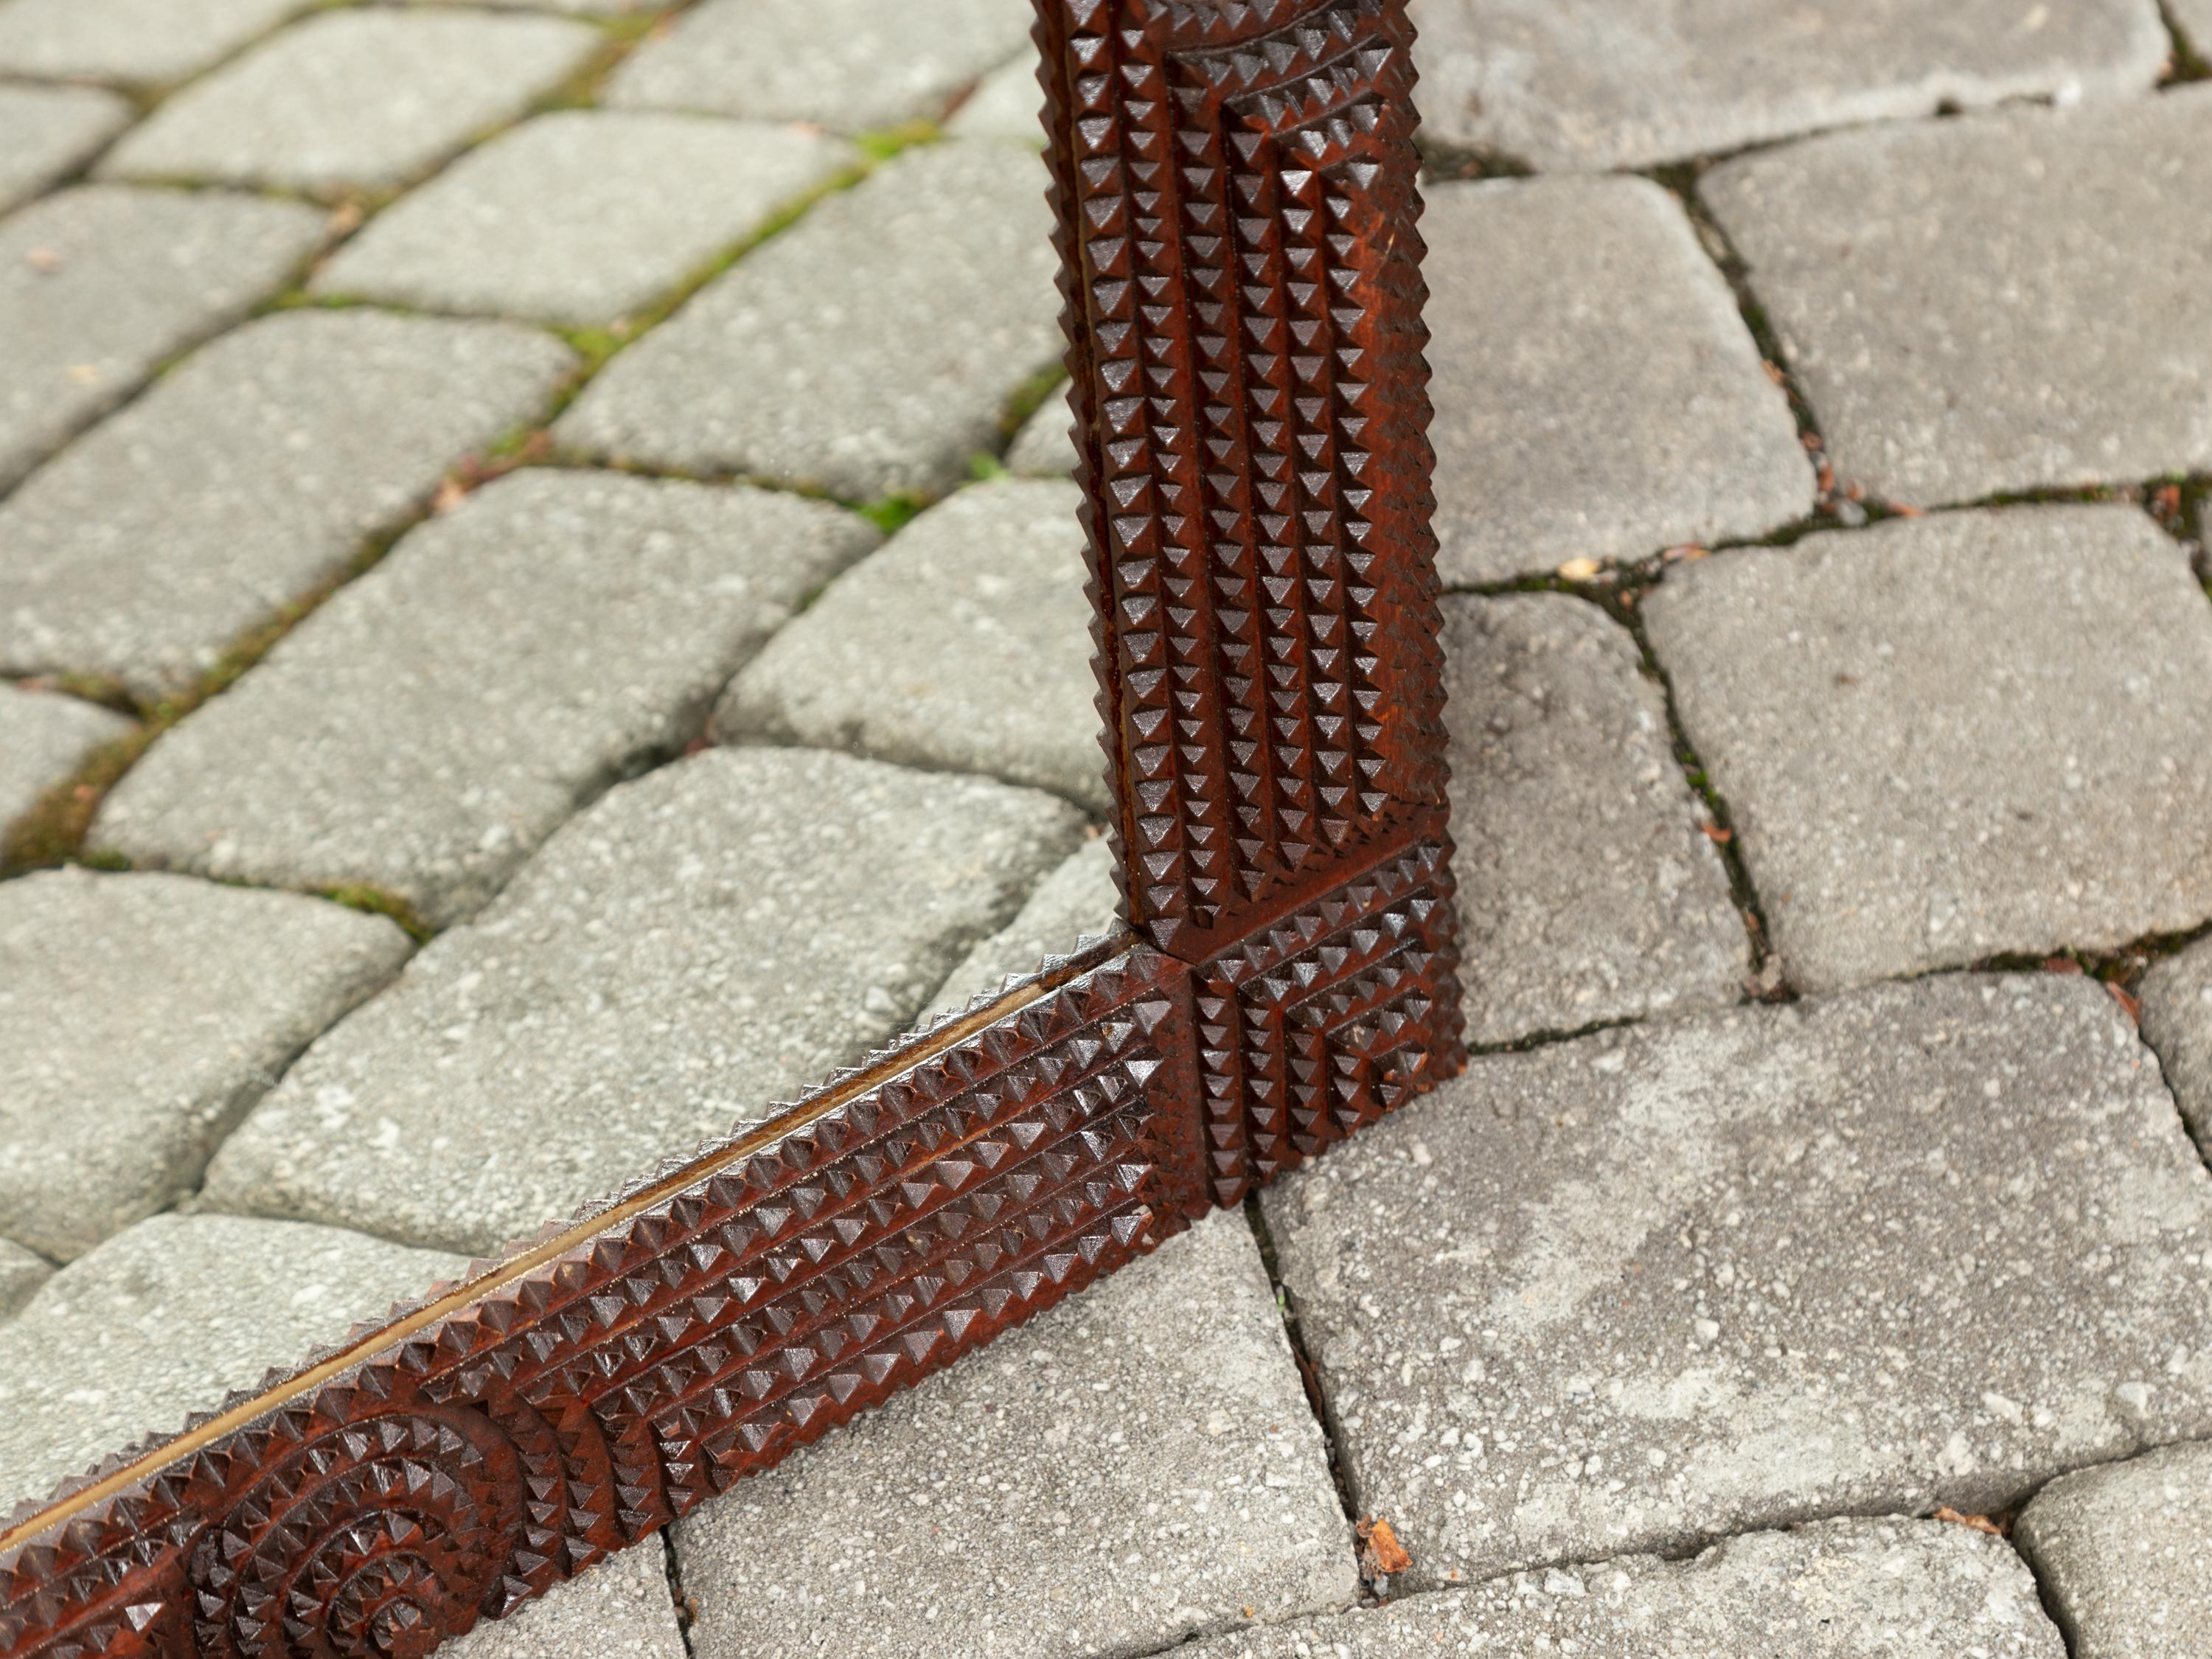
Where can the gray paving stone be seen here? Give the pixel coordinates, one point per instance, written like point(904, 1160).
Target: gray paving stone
point(99, 285)
point(358, 97)
point(21, 1274)
point(140, 1017)
point(851, 64)
point(964, 644)
point(44, 738)
point(426, 731)
point(1045, 446)
point(46, 131)
point(1138, 1464)
point(1556, 438)
point(621, 1608)
point(2125, 1555)
point(2011, 302)
point(1919, 1244)
point(1007, 103)
point(712, 938)
point(2177, 1015)
point(804, 362)
point(580, 216)
point(2195, 17)
point(1949, 739)
point(166, 1319)
point(1616, 83)
point(146, 41)
point(1588, 891)
point(242, 481)
point(1844, 1590)
point(1077, 901)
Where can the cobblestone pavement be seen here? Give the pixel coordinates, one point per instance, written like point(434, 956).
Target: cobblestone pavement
point(538, 599)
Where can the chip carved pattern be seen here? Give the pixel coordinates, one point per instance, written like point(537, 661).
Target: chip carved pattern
point(1241, 267)
point(1237, 207)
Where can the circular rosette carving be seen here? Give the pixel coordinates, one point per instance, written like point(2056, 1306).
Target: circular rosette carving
point(371, 1540)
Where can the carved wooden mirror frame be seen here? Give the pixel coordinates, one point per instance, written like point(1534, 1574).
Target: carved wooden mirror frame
point(1238, 198)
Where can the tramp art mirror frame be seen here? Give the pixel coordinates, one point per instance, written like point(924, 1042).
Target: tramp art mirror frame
point(1236, 190)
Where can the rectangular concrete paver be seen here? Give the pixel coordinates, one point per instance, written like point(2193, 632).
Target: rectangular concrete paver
point(2125, 1555)
point(715, 936)
point(581, 216)
point(851, 64)
point(1136, 1466)
point(1621, 84)
point(1588, 890)
point(2177, 1015)
point(46, 131)
point(964, 644)
point(424, 731)
point(146, 41)
point(140, 1017)
point(1598, 395)
point(368, 96)
point(21, 1273)
point(253, 473)
point(98, 285)
point(1045, 446)
point(621, 1609)
point(167, 1318)
point(1924, 1243)
point(2012, 301)
point(44, 738)
point(1007, 103)
point(1078, 900)
point(1843, 1589)
point(870, 348)
point(1954, 738)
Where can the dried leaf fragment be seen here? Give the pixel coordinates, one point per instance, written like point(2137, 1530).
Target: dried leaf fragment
point(1977, 1522)
point(1381, 1554)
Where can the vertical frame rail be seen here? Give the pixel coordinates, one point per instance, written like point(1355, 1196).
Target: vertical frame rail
point(1237, 200)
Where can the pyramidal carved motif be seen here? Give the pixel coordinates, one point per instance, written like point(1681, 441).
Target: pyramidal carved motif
point(1237, 208)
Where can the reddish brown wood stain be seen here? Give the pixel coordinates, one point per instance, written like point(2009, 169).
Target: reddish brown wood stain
point(1237, 191)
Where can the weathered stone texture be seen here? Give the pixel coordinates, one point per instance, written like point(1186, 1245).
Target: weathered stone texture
point(718, 935)
point(98, 285)
point(44, 738)
point(1007, 103)
point(622, 1608)
point(1079, 900)
point(146, 41)
point(21, 1274)
point(1926, 1244)
point(243, 481)
point(803, 362)
point(2012, 301)
point(424, 731)
point(2177, 1017)
point(1597, 393)
point(1588, 889)
point(851, 64)
point(1137, 1464)
point(140, 1017)
point(363, 96)
point(1845, 1589)
point(580, 216)
point(1954, 738)
point(2125, 1555)
point(166, 1319)
point(964, 644)
point(1621, 84)
point(1045, 446)
point(46, 131)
